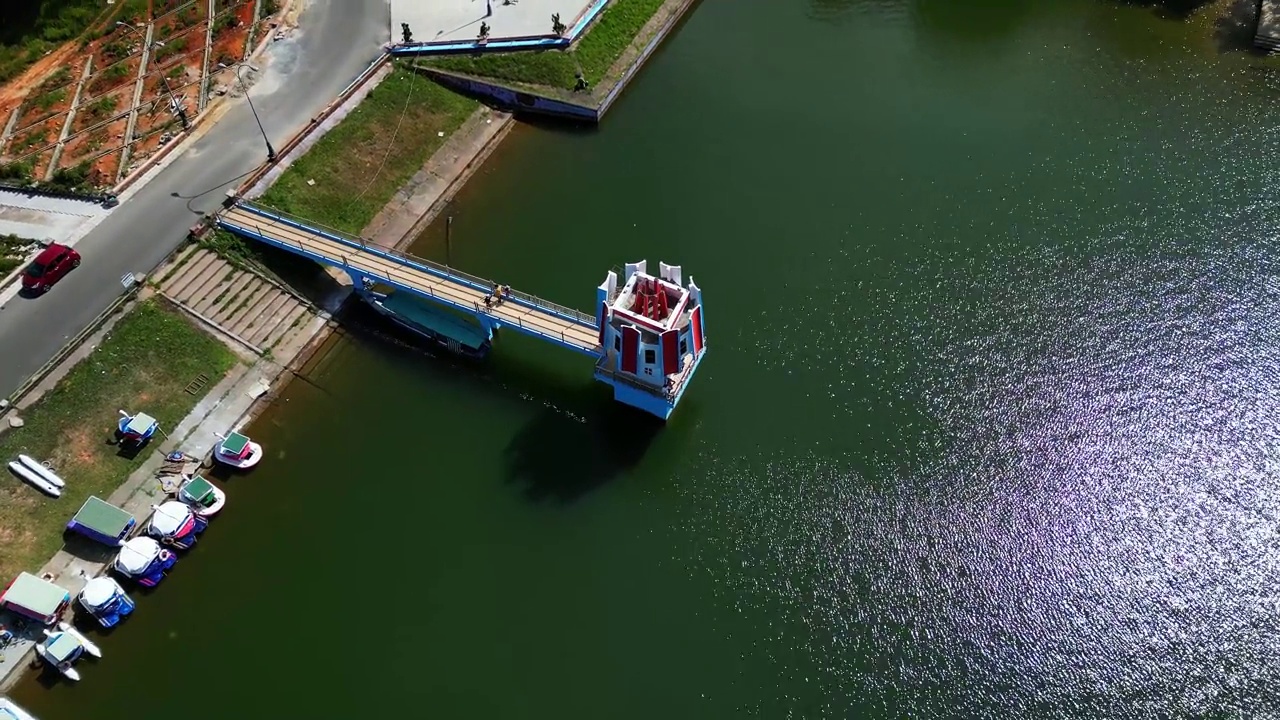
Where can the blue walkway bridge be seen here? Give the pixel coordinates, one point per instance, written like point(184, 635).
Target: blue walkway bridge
point(364, 261)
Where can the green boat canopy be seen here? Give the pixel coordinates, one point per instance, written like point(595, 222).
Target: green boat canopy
point(35, 597)
point(103, 517)
point(234, 444)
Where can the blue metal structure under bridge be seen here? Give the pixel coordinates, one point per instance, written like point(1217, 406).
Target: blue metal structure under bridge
point(646, 335)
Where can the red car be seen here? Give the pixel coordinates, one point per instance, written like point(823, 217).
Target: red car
point(49, 267)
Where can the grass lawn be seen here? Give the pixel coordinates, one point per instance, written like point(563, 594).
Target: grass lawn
point(144, 364)
point(358, 165)
point(595, 53)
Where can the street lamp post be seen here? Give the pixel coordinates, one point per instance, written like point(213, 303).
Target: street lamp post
point(174, 105)
point(271, 151)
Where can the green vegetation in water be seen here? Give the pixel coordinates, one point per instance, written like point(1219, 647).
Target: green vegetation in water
point(144, 364)
point(360, 164)
point(35, 27)
point(13, 252)
point(595, 53)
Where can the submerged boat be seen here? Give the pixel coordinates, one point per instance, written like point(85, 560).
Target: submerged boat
point(42, 470)
point(143, 560)
point(238, 451)
point(35, 598)
point(62, 647)
point(34, 479)
point(106, 601)
point(205, 498)
point(175, 523)
point(99, 520)
point(450, 331)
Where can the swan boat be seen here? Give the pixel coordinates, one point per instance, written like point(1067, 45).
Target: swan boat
point(63, 646)
point(238, 451)
point(175, 523)
point(106, 601)
point(143, 560)
point(205, 498)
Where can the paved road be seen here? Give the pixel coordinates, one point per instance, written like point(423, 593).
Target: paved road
point(337, 39)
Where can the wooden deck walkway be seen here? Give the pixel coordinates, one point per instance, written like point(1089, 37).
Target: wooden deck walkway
point(530, 314)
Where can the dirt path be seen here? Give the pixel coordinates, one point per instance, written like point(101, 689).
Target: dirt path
point(16, 89)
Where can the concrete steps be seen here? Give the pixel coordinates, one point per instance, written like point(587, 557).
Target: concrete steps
point(267, 318)
point(250, 302)
point(265, 299)
point(213, 274)
point(179, 260)
point(238, 301)
point(223, 303)
point(284, 326)
point(219, 284)
point(189, 273)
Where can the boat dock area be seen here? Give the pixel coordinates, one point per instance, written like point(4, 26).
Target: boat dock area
point(1267, 36)
point(226, 405)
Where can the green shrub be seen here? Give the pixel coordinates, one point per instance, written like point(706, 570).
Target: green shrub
point(50, 99)
point(74, 179)
point(102, 107)
point(225, 22)
point(34, 27)
point(171, 48)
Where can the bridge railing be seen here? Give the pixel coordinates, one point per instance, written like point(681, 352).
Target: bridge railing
point(667, 391)
point(475, 282)
point(402, 280)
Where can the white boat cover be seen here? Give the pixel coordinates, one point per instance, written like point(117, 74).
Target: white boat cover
point(9, 710)
point(99, 591)
point(137, 554)
point(170, 516)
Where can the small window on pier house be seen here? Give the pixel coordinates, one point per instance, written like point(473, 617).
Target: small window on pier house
point(650, 357)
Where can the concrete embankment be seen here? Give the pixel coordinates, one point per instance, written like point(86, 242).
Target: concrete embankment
point(578, 106)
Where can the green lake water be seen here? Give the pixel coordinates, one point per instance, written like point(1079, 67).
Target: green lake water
point(987, 429)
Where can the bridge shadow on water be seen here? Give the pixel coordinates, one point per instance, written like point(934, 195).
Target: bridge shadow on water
point(577, 441)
